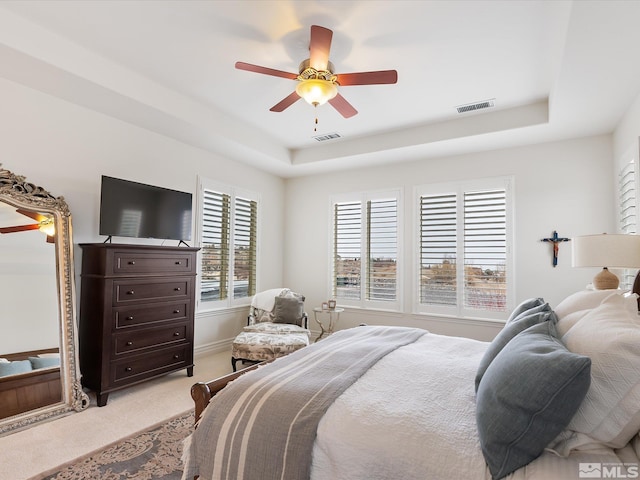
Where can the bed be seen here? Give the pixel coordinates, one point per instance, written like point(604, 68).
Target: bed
point(29, 380)
point(555, 396)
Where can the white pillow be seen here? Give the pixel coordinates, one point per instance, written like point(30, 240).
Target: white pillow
point(583, 300)
point(569, 320)
point(4, 360)
point(610, 413)
point(49, 355)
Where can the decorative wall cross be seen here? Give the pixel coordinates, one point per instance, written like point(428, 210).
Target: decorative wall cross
point(555, 240)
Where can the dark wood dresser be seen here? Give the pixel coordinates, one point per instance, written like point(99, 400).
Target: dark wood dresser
point(137, 307)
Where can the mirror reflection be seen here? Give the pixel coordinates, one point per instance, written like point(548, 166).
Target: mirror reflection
point(29, 347)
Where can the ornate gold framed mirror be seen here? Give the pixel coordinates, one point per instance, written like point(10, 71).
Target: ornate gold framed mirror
point(39, 375)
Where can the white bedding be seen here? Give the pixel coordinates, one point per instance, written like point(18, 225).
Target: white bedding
point(412, 416)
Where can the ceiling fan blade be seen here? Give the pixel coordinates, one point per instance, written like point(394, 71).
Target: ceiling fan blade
point(286, 103)
point(36, 216)
point(382, 77)
point(264, 70)
point(343, 107)
point(319, 47)
point(19, 228)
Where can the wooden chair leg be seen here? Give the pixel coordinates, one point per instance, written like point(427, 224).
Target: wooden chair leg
point(233, 363)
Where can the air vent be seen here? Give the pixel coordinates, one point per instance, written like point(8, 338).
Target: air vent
point(476, 106)
point(328, 136)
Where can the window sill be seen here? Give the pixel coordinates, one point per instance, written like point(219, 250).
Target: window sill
point(221, 310)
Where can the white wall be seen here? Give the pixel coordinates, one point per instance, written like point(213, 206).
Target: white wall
point(66, 148)
point(564, 186)
point(626, 134)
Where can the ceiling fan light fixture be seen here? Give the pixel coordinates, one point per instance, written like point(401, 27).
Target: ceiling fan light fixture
point(316, 91)
point(47, 227)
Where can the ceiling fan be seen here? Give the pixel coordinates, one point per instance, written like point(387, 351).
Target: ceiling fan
point(318, 83)
point(45, 225)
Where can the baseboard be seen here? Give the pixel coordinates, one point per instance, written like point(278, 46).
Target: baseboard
point(213, 347)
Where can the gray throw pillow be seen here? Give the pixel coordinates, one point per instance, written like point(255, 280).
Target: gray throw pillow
point(516, 324)
point(44, 362)
point(289, 310)
point(15, 367)
point(524, 306)
point(527, 396)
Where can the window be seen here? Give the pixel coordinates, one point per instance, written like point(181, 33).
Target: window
point(228, 239)
point(464, 265)
point(365, 251)
point(627, 205)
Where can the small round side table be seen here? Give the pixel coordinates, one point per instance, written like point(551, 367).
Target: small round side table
point(334, 316)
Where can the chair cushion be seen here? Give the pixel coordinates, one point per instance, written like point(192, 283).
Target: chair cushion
point(260, 346)
point(276, 328)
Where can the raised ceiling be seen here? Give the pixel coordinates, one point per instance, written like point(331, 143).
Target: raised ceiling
point(555, 70)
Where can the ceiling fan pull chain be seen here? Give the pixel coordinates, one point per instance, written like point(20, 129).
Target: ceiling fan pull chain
point(315, 128)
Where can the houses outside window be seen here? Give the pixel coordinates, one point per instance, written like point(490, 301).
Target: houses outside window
point(464, 255)
point(228, 240)
point(365, 250)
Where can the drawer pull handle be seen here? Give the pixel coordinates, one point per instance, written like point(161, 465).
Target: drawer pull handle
point(176, 311)
point(176, 357)
point(178, 263)
point(130, 292)
point(177, 289)
point(132, 262)
point(129, 343)
point(130, 318)
point(128, 369)
point(176, 334)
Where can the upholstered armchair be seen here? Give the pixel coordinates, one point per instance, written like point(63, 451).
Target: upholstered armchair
point(277, 325)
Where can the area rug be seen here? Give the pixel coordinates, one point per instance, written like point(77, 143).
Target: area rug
point(148, 455)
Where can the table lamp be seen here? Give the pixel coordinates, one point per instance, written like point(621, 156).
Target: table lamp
point(607, 250)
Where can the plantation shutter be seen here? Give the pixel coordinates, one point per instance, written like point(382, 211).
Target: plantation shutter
point(628, 220)
point(215, 246)
point(438, 249)
point(245, 232)
point(382, 246)
point(485, 250)
point(627, 192)
point(347, 250)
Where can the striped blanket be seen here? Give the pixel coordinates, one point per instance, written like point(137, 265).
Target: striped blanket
point(263, 425)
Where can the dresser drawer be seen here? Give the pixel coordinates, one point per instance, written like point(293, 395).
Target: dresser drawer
point(135, 316)
point(136, 263)
point(140, 367)
point(137, 340)
point(151, 290)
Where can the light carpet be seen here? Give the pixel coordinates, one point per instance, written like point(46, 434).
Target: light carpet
point(26, 454)
point(148, 455)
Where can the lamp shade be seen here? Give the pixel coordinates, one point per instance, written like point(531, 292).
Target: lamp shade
point(606, 250)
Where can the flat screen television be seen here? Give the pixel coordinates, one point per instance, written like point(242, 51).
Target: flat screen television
point(132, 209)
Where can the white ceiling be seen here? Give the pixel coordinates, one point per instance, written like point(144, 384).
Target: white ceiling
point(556, 69)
